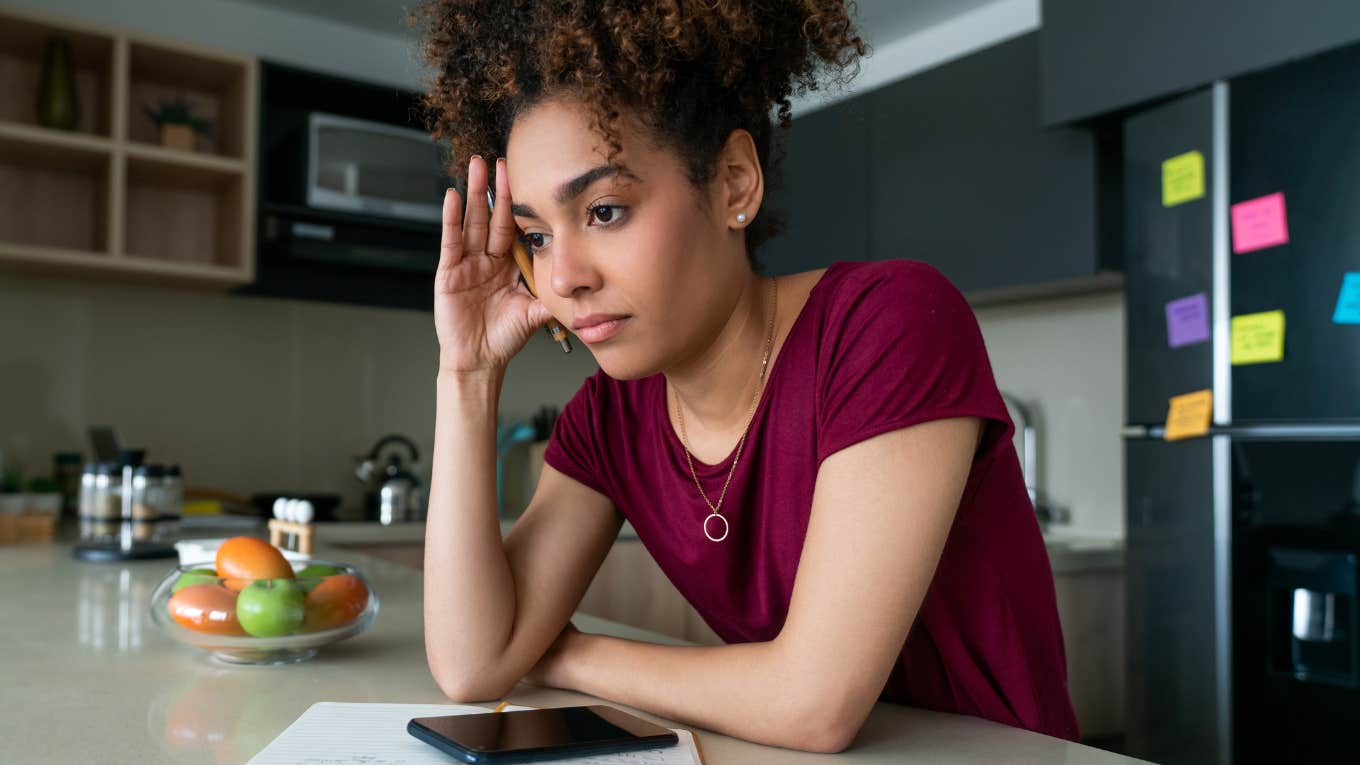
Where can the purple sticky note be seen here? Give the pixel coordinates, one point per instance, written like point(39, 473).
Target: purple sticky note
point(1259, 223)
point(1187, 320)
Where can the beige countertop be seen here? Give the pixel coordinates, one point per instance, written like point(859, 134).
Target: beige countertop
point(1068, 554)
point(88, 678)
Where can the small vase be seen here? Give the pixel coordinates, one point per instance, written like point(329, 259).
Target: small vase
point(57, 107)
point(177, 136)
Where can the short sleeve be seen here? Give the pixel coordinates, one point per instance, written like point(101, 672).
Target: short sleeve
point(900, 347)
point(574, 447)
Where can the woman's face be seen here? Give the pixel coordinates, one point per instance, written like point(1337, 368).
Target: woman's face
point(637, 243)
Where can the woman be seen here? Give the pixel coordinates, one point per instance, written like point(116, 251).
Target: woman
point(821, 463)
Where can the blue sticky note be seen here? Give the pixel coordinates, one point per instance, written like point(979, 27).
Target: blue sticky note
point(1348, 302)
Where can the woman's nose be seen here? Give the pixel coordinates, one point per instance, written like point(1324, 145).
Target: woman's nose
point(573, 269)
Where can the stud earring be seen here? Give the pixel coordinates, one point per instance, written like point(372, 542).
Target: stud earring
point(741, 217)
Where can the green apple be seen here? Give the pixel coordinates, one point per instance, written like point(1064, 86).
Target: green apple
point(270, 607)
point(194, 576)
point(310, 575)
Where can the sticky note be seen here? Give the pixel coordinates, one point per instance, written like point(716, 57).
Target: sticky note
point(1182, 178)
point(1258, 338)
point(1189, 415)
point(1259, 223)
point(1187, 320)
point(1348, 302)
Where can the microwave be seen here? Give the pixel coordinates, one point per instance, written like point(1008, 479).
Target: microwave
point(350, 191)
point(373, 168)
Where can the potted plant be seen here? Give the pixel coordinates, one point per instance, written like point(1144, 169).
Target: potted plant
point(177, 123)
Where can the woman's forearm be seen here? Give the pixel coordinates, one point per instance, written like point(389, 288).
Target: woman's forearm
point(752, 691)
point(469, 589)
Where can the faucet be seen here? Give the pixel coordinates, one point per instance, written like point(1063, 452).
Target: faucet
point(1029, 433)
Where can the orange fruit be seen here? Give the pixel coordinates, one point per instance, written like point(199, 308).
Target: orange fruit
point(335, 601)
point(241, 559)
point(207, 608)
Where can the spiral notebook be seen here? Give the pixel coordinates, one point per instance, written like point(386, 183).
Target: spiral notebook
point(339, 733)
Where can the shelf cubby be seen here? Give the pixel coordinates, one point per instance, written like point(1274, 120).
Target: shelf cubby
point(54, 197)
point(183, 213)
point(23, 45)
point(217, 89)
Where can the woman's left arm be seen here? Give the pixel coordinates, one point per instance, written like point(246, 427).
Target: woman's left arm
point(881, 513)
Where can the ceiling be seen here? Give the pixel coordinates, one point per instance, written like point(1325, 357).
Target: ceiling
point(879, 21)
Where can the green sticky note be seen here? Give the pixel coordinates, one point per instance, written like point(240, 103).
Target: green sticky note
point(1258, 338)
point(1182, 178)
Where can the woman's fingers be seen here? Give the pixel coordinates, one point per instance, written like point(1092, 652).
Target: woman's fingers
point(478, 214)
point(503, 230)
point(451, 233)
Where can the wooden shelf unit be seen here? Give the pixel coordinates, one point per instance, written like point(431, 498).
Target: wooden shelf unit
point(106, 198)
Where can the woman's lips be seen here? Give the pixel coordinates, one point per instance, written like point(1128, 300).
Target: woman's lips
point(598, 333)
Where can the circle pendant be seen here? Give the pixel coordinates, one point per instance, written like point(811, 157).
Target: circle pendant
point(709, 534)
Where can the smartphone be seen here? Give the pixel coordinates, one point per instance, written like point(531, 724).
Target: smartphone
point(539, 735)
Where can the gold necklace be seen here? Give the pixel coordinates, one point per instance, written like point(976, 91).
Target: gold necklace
point(760, 386)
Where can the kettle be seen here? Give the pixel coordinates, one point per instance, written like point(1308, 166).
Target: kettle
point(394, 494)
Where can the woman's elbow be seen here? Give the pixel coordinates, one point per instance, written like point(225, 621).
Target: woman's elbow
point(466, 685)
point(828, 726)
point(470, 690)
point(825, 737)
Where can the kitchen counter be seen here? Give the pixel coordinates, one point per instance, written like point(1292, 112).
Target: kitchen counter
point(1072, 554)
point(1067, 553)
point(357, 532)
point(88, 678)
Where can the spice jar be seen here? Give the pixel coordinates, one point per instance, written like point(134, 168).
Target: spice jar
point(106, 496)
point(148, 492)
point(174, 492)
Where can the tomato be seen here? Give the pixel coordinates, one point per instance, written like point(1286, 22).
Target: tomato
point(207, 608)
point(335, 601)
point(242, 559)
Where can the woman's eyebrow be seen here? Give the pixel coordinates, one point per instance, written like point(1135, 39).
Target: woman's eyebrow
point(574, 187)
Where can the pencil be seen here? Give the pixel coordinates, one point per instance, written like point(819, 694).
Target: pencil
point(526, 271)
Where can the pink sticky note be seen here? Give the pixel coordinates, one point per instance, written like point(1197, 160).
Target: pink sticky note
point(1259, 223)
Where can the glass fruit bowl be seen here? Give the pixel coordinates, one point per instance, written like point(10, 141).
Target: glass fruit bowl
point(264, 621)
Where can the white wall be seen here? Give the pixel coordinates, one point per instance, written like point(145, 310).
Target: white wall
point(1064, 358)
point(980, 28)
point(256, 30)
point(249, 394)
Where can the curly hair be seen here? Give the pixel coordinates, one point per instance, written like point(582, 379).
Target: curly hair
point(690, 71)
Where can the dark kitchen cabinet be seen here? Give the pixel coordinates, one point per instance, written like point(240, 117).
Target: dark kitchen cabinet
point(1099, 57)
point(962, 175)
point(825, 189)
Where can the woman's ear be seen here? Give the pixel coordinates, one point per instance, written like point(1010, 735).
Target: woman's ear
point(742, 184)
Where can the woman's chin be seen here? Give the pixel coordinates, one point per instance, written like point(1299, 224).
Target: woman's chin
point(621, 365)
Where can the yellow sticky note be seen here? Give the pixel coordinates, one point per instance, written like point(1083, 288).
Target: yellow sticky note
point(1182, 178)
point(1258, 338)
point(1189, 415)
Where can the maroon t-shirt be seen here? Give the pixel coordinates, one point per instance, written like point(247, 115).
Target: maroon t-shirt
point(877, 347)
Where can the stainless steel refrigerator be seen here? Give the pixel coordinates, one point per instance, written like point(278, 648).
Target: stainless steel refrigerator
point(1242, 544)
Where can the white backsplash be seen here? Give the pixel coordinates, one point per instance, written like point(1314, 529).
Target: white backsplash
point(248, 394)
point(1064, 357)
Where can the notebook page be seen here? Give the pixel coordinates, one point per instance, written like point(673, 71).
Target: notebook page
point(338, 733)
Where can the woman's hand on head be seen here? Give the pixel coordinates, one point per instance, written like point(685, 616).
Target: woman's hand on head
point(482, 314)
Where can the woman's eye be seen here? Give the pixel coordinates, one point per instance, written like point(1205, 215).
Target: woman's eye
point(609, 216)
point(535, 242)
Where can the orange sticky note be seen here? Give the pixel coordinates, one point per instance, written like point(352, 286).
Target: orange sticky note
point(1189, 415)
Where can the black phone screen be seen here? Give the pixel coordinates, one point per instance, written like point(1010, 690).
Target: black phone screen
point(533, 735)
